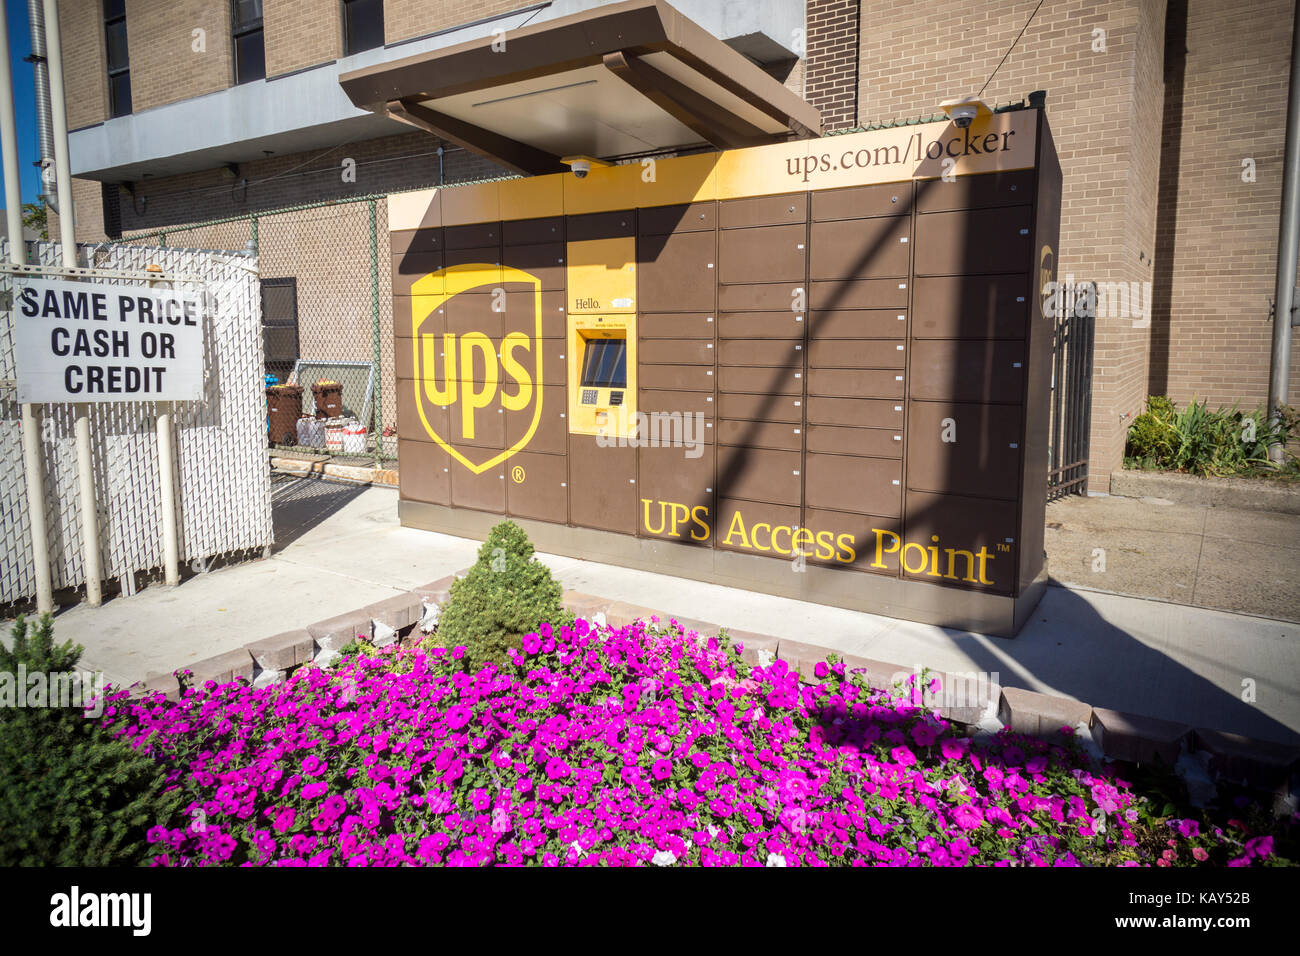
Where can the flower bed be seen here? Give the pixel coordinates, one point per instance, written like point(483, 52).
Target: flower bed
point(602, 746)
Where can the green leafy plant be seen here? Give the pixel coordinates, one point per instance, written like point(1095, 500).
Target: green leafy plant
point(1202, 441)
point(506, 594)
point(70, 794)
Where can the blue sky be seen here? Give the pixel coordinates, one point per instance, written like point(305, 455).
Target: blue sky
point(29, 150)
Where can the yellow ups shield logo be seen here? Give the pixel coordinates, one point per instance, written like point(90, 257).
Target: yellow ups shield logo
point(476, 332)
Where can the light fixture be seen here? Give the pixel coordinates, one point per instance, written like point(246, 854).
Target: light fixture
point(964, 110)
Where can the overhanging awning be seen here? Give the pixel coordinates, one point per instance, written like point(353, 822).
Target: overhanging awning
point(621, 79)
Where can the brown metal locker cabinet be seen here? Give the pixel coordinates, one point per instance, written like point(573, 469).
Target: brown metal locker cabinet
point(980, 533)
point(831, 294)
point(862, 412)
point(862, 202)
point(523, 232)
point(850, 483)
point(762, 254)
point(778, 324)
point(756, 297)
point(674, 325)
point(841, 539)
point(779, 210)
point(739, 520)
point(665, 220)
point(676, 272)
point(479, 311)
point(759, 474)
point(968, 370)
point(416, 241)
point(551, 435)
point(982, 456)
point(410, 267)
point(482, 492)
point(676, 497)
point(976, 242)
point(844, 440)
point(1010, 188)
point(767, 353)
point(426, 471)
point(861, 382)
point(971, 307)
point(602, 485)
point(474, 236)
point(676, 402)
point(543, 260)
point(676, 352)
point(829, 326)
point(782, 436)
point(861, 248)
point(693, 378)
point(488, 423)
point(763, 408)
point(857, 353)
point(616, 224)
point(771, 380)
point(537, 486)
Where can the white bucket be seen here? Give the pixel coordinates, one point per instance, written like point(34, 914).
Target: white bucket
point(354, 439)
point(334, 434)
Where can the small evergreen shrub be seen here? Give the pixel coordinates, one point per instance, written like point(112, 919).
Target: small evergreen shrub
point(70, 794)
point(507, 594)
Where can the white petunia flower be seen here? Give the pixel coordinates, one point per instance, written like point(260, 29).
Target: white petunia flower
point(775, 859)
point(664, 858)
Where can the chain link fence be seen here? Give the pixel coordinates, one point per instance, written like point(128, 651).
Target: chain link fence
point(222, 480)
point(326, 299)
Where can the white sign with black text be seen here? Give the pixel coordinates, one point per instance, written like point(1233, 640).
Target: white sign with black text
point(106, 342)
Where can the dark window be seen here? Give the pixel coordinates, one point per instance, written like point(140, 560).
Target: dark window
point(280, 326)
point(606, 364)
point(119, 63)
point(363, 25)
point(250, 47)
point(110, 195)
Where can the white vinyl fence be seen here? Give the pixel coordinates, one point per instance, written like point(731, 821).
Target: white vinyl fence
point(222, 475)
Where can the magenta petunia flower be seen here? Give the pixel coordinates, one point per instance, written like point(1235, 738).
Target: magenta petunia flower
point(661, 769)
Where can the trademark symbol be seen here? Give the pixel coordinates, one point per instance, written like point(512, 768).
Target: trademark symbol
point(1004, 547)
point(517, 474)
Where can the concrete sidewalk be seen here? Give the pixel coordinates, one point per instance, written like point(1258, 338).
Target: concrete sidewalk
point(340, 548)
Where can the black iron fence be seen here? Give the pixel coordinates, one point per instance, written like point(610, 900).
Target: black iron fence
point(1071, 399)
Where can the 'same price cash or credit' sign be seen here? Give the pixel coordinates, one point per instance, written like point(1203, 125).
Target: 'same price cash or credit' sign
point(106, 342)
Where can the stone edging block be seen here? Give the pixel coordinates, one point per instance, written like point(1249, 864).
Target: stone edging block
point(1137, 738)
point(1040, 715)
point(283, 652)
point(223, 668)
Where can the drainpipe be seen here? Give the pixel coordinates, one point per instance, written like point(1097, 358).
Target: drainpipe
point(1288, 248)
point(33, 459)
point(41, 84)
point(91, 560)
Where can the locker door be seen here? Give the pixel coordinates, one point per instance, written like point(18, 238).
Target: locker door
point(676, 497)
point(976, 242)
point(483, 492)
point(971, 307)
point(861, 248)
point(537, 486)
point(983, 454)
point(762, 254)
point(676, 272)
point(426, 472)
point(849, 483)
point(967, 370)
point(973, 541)
point(759, 474)
point(602, 485)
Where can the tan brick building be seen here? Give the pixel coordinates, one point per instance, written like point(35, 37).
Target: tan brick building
point(1168, 117)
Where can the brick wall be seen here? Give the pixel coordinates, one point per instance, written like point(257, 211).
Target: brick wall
point(301, 33)
point(85, 75)
point(831, 68)
point(1099, 104)
point(169, 62)
point(404, 19)
point(1217, 247)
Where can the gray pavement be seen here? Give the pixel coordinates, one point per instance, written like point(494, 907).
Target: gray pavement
point(340, 548)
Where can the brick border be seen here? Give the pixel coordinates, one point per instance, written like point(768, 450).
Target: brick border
point(351, 474)
point(1118, 735)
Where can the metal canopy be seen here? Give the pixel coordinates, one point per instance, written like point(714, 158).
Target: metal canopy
point(621, 79)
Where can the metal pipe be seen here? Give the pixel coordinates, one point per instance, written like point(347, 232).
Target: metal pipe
point(41, 87)
point(33, 459)
point(91, 560)
point(1288, 248)
point(167, 492)
point(59, 121)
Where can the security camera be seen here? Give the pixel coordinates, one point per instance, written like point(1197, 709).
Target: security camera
point(964, 110)
point(580, 168)
point(963, 116)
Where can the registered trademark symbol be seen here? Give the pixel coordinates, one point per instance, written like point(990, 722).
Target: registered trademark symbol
point(517, 474)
